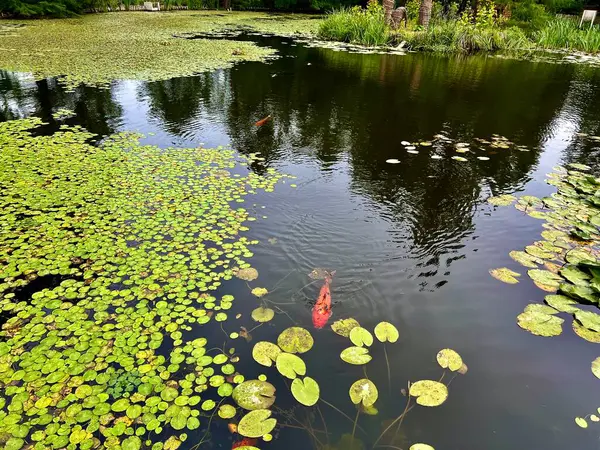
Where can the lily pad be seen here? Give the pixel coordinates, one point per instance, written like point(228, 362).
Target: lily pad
point(247, 274)
point(295, 340)
point(343, 327)
point(265, 353)
point(361, 337)
point(262, 314)
point(586, 334)
point(306, 391)
point(364, 391)
point(562, 303)
point(429, 392)
point(588, 319)
point(596, 367)
point(259, 292)
point(549, 281)
point(502, 200)
point(226, 411)
point(505, 275)
point(421, 447)
point(254, 394)
point(386, 332)
point(580, 421)
point(449, 359)
point(256, 424)
point(540, 324)
point(356, 355)
point(525, 259)
point(575, 276)
point(290, 365)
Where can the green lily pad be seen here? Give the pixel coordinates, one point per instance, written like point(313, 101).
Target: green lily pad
point(356, 355)
point(343, 327)
point(505, 275)
point(580, 421)
point(306, 391)
point(256, 423)
point(562, 303)
point(364, 391)
point(226, 411)
point(502, 200)
point(540, 308)
point(262, 314)
point(295, 340)
point(525, 259)
point(596, 367)
point(429, 392)
point(588, 319)
point(131, 443)
point(585, 333)
point(386, 332)
point(265, 353)
point(421, 447)
point(290, 365)
point(449, 359)
point(254, 394)
point(540, 324)
point(575, 276)
point(259, 292)
point(360, 337)
point(545, 278)
point(580, 292)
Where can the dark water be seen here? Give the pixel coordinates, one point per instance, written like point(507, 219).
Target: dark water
point(412, 243)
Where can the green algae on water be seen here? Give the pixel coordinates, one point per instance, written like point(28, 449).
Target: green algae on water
point(131, 241)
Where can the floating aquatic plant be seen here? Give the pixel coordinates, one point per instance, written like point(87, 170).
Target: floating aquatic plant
point(137, 237)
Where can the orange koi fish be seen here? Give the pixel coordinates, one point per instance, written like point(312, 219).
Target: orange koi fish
point(246, 442)
point(263, 121)
point(322, 310)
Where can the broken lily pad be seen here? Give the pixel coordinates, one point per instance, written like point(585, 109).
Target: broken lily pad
point(343, 327)
point(505, 275)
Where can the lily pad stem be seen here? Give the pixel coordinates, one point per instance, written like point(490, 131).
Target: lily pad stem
point(387, 363)
point(354, 428)
point(342, 413)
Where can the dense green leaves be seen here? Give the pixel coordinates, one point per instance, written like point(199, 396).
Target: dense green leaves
point(139, 238)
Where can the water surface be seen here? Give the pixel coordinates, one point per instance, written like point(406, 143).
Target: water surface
point(412, 243)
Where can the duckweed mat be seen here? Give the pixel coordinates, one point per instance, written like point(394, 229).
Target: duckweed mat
point(131, 242)
point(98, 48)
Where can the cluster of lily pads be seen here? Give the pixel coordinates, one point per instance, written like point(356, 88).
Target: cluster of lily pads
point(566, 261)
point(257, 396)
point(440, 143)
point(109, 256)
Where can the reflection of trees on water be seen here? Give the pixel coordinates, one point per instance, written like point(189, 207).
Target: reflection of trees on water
point(359, 107)
point(20, 96)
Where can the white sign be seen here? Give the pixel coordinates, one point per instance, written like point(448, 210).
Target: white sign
point(588, 15)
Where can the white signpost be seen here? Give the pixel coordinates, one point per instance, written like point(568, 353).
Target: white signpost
point(588, 15)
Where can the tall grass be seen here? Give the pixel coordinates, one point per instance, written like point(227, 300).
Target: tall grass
point(457, 37)
point(562, 33)
point(357, 26)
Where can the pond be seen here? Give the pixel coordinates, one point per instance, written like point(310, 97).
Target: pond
point(411, 243)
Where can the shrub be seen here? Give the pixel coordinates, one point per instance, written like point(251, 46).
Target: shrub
point(357, 25)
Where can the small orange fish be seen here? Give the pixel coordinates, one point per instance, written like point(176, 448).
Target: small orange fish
point(263, 121)
point(322, 310)
point(246, 442)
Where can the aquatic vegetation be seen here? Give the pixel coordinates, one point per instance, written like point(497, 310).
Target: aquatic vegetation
point(131, 239)
point(139, 46)
point(566, 260)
